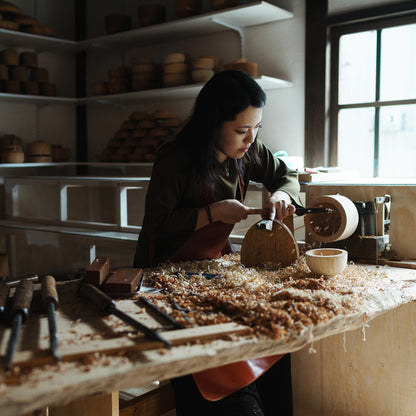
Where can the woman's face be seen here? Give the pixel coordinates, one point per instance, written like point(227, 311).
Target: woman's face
point(235, 137)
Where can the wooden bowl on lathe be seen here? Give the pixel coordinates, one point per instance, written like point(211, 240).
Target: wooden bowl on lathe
point(326, 261)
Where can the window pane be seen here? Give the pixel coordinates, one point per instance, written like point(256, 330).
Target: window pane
point(357, 67)
point(356, 140)
point(398, 63)
point(398, 141)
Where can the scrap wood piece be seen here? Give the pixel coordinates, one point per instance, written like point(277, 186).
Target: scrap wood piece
point(120, 345)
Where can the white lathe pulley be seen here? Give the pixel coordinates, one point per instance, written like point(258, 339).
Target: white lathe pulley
point(336, 225)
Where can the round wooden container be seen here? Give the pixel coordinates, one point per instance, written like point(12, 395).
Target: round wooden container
point(151, 14)
point(30, 88)
point(39, 159)
point(174, 80)
point(28, 59)
point(18, 73)
point(175, 58)
point(117, 23)
point(40, 75)
point(177, 68)
point(4, 72)
point(326, 261)
point(6, 7)
point(34, 30)
point(205, 62)
point(249, 67)
point(139, 115)
point(9, 25)
point(11, 87)
point(186, 8)
point(60, 154)
point(9, 57)
point(9, 156)
point(333, 226)
point(100, 88)
point(162, 114)
point(223, 4)
point(38, 147)
point(200, 76)
point(47, 89)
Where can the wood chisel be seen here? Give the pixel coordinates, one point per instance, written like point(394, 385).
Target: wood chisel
point(19, 313)
point(108, 306)
point(50, 304)
point(162, 313)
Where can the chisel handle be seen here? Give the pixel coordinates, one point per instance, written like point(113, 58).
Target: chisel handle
point(4, 295)
point(100, 299)
point(22, 299)
point(48, 292)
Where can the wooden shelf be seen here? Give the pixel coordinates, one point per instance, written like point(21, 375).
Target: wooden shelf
point(15, 38)
point(36, 99)
point(180, 92)
point(243, 16)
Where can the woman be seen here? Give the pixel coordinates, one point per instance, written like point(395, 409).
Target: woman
point(195, 197)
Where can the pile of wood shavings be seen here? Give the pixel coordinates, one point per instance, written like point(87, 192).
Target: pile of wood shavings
point(271, 301)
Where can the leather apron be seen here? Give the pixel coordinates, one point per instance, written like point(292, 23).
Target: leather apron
point(216, 383)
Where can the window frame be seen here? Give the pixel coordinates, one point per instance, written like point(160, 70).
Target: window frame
point(335, 33)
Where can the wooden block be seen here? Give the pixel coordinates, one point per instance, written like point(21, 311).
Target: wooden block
point(123, 281)
point(97, 271)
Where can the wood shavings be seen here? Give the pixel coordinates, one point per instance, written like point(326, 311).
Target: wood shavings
point(271, 301)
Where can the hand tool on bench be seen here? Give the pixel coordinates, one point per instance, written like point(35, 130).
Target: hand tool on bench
point(162, 313)
point(11, 283)
point(19, 313)
point(50, 303)
point(269, 241)
point(108, 306)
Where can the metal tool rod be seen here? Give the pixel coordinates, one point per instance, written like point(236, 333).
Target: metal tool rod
point(14, 336)
point(302, 211)
point(162, 313)
point(108, 306)
point(150, 333)
point(53, 332)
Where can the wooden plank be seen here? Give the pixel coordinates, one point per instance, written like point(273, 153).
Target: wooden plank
point(369, 371)
point(119, 345)
point(98, 405)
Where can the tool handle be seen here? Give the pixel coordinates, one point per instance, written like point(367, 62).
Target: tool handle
point(4, 295)
point(48, 291)
point(103, 302)
point(22, 299)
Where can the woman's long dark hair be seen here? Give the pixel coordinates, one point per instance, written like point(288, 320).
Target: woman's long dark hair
point(225, 95)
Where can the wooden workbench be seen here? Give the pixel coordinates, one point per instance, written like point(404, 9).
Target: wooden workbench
point(101, 357)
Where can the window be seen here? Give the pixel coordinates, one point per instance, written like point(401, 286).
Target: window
point(373, 98)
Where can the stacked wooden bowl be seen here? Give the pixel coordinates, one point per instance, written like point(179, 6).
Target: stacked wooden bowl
point(12, 19)
point(140, 136)
point(176, 69)
point(203, 68)
point(20, 74)
point(145, 74)
point(11, 149)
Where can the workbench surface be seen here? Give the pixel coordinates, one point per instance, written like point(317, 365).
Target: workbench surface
point(101, 354)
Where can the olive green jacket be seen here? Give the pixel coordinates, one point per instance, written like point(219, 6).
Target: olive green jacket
point(173, 198)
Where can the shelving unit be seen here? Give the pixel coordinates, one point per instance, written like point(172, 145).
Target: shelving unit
point(242, 16)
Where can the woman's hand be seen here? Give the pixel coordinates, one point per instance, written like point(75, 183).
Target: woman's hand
point(231, 211)
point(279, 206)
